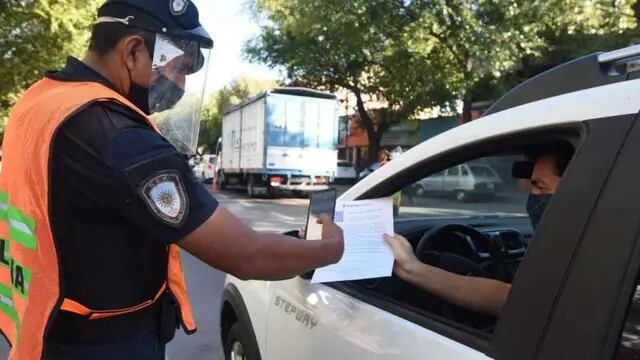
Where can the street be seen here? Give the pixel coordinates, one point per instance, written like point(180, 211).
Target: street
point(206, 284)
point(278, 215)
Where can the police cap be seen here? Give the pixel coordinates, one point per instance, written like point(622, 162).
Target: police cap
point(175, 17)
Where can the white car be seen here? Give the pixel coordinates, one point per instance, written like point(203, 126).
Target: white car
point(575, 288)
point(206, 168)
point(345, 173)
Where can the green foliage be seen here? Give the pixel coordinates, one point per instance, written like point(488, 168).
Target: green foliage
point(232, 94)
point(416, 54)
point(35, 36)
point(359, 45)
point(483, 42)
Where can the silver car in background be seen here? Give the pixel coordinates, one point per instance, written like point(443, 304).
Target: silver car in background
point(465, 182)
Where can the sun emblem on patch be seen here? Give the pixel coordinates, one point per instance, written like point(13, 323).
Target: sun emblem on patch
point(164, 195)
point(166, 199)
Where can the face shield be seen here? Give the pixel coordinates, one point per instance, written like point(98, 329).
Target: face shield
point(176, 89)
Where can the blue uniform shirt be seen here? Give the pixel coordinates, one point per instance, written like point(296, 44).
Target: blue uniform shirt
point(120, 193)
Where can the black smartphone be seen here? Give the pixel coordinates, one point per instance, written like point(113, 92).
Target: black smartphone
point(321, 202)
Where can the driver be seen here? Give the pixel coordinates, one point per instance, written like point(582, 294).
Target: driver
point(481, 294)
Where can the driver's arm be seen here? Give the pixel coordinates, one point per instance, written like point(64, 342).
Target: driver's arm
point(479, 294)
point(226, 243)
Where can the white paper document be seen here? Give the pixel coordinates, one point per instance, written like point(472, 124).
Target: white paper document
point(366, 255)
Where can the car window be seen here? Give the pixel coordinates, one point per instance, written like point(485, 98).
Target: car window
point(492, 192)
point(479, 170)
point(492, 202)
point(464, 171)
point(629, 344)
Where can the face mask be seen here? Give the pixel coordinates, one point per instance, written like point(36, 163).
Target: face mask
point(165, 94)
point(138, 95)
point(536, 206)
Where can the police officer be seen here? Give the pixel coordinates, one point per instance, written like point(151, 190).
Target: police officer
point(96, 197)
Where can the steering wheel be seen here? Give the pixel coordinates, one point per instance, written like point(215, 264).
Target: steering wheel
point(455, 239)
point(454, 248)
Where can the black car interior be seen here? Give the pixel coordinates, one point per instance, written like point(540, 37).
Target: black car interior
point(482, 247)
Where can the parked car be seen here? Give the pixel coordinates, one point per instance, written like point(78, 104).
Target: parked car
point(464, 182)
point(575, 281)
point(345, 173)
point(206, 168)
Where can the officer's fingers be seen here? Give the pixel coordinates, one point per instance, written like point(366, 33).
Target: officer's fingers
point(302, 233)
point(329, 228)
point(324, 219)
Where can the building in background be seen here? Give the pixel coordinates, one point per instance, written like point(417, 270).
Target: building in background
point(353, 142)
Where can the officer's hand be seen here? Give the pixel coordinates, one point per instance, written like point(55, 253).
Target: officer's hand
point(406, 260)
point(332, 237)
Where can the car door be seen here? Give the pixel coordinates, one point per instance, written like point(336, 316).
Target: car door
point(451, 179)
point(432, 184)
point(318, 322)
point(571, 287)
point(315, 321)
point(601, 286)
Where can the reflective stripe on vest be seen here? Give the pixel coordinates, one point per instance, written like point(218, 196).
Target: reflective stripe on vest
point(29, 273)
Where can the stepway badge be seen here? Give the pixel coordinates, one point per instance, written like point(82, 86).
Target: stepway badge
point(164, 195)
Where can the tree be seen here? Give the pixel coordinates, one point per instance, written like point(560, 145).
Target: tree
point(359, 45)
point(238, 90)
point(35, 36)
point(417, 54)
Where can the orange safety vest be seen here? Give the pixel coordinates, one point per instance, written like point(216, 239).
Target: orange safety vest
point(29, 271)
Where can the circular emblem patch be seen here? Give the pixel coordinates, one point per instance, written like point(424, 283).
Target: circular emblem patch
point(178, 7)
point(164, 195)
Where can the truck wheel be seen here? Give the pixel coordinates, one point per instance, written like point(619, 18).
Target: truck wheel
point(240, 345)
point(271, 192)
point(251, 190)
point(222, 182)
point(461, 196)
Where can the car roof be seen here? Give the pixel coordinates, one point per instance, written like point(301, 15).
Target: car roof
point(584, 73)
point(518, 113)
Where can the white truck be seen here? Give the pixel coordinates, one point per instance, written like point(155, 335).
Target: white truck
point(281, 139)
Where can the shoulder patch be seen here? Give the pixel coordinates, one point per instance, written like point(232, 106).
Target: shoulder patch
point(164, 194)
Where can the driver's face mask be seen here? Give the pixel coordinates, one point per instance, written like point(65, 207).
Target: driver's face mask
point(536, 206)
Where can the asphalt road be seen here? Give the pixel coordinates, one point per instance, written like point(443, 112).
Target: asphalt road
point(205, 284)
point(278, 215)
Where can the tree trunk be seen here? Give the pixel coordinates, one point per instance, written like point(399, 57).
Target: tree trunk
point(466, 109)
point(374, 135)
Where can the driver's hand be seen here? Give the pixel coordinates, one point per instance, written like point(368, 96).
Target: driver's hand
point(406, 260)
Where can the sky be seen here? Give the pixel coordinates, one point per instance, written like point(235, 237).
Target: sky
point(230, 24)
